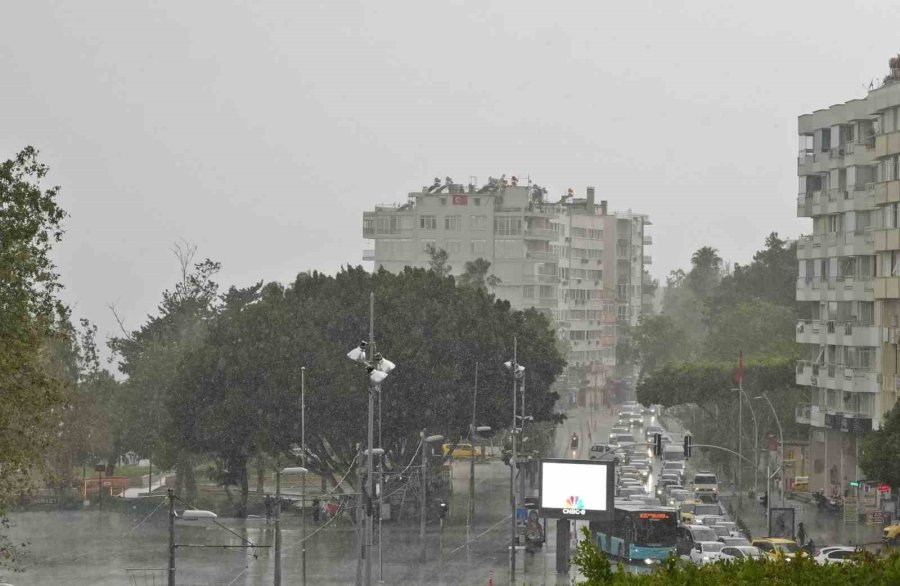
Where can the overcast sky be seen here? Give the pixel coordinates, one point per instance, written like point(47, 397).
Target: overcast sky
point(261, 130)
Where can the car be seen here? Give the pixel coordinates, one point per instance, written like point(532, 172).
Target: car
point(740, 552)
point(731, 526)
point(703, 510)
point(835, 555)
point(686, 510)
point(732, 541)
point(679, 496)
point(705, 483)
point(631, 491)
point(710, 520)
point(623, 440)
point(598, 451)
point(705, 552)
point(777, 547)
point(651, 430)
point(669, 476)
point(891, 533)
point(687, 535)
point(461, 450)
point(617, 429)
point(637, 420)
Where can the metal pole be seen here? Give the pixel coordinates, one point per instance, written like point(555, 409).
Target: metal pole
point(755, 443)
point(423, 509)
point(370, 521)
point(512, 472)
point(150, 480)
point(380, 497)
point(171, 496)
point(472, 433)
point(277, 522)
point(303, 451)
point(740, 444)
point(100, 486)
point(781, 441)
point(768, 496)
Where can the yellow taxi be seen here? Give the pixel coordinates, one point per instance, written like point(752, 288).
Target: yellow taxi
point(778, 548)
point(687, 511)
point(460, 450)
point(891, 534)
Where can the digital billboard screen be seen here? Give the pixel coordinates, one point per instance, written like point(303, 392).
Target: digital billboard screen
point(577, 489)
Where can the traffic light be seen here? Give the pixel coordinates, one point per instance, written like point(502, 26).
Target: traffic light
point(657, 444)
point(687, 446)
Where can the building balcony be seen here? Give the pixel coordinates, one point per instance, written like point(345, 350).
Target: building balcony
point(540, 234)
point(887, 144)
point(835, 289)
point(840, 333)
point(648, 240)
point(648, 260)
point(887, 239)
point(838, 377)
point(887, 288)
point(540, 279)
point(368, 254)
point(802, 414)
point(541, 255)
point(886, 192)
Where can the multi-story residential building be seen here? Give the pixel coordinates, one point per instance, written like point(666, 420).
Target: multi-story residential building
point(561, 258)
point(849, 277)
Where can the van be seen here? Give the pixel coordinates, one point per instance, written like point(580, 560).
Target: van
point(673, 453)
point(705, 483)
point(687, 535)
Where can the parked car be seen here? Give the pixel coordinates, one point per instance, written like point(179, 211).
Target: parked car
point(835, 555)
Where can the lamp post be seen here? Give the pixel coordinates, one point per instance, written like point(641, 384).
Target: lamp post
point(518, 372)
point(377, 368)
point(188, 514)
point(303, 464)
point(755, 440)
point(278, 472)
point(426, 442)
point(780, 439)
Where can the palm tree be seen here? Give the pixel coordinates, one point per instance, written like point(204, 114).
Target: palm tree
point(476, 275)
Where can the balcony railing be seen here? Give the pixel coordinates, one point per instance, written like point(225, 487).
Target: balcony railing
point(541, 233)
point(541, 255)
point(545, 279)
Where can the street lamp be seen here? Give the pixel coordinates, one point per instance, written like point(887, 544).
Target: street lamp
point(426, 442)
point(187, 515)
point(780, 439)
point(518, 372)
point(377, 367)
point(278, 472)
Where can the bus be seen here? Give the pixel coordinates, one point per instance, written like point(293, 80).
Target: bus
point(639, 533)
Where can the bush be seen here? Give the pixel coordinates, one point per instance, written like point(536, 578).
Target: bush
point(869, 569)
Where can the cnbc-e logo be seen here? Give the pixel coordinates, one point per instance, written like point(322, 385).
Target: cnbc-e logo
point(574, 506)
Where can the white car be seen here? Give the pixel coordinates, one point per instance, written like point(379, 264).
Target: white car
point(735, 541)
point(739, 552)
point(705, 552)
point(835, 555)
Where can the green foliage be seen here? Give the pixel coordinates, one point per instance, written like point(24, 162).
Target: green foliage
point(660, 339)
point(758, 327)
point(438, 260)
point(706, 271)
point(878, 452)
point(238, 393)
point(476, 275)
point(868, 569)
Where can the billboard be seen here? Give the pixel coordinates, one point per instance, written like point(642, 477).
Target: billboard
point(781, 522)
point(583, 490)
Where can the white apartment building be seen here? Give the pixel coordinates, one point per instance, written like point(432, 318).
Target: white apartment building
point(558, 257)
point(849, 276)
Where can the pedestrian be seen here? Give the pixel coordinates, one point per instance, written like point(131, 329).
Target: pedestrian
point(801, 532)
point(268, 503)
point(317, 509)
point(811, 547)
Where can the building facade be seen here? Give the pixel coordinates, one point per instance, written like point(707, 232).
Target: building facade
point(570, 259)
point(849, 277)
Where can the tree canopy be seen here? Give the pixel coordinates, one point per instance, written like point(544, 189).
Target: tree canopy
point(878, 452)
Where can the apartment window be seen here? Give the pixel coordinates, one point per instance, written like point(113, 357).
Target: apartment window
point(477, 200)
point(890, 263)
point(454, 247)
point(508, 248)
point(428, 222)
point(443, 201)
point(892, 216)
point(478, 222)
point(528, 291)
point(452, 223)
point(368, 225)
point(478, 247)
point(547, 292)
point(387, 225)
point(508, 225)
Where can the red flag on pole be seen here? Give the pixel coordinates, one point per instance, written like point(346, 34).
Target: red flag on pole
point(460, 200)
point(738, 376)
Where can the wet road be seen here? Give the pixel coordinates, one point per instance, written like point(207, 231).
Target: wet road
point(104, 549)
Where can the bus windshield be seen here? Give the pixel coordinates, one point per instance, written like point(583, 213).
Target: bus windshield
point(655, 532)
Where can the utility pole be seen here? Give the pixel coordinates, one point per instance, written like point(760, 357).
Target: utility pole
point(303, 451)
point(512, 472)
point(171, 497)
point(472, 459)
point(370, 519)
point(277, 522)
point(424, 500)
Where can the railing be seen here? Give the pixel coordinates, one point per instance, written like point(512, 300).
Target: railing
point(836, 153)
point(547, 279)
point(543, 233)
point(541, 255)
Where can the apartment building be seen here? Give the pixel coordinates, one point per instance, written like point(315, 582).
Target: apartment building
point(561, 258)
point(849, 276)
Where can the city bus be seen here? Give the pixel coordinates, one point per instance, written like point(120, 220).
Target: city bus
point(639, 533)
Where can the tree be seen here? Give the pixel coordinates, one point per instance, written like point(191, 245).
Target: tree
point(660, 339)
point(476, 275)
point(438, 260)
point(757, 327)
point(30, 224)
point(878, 453)
point(705, 273)
point(149, 357)
point(242, 386)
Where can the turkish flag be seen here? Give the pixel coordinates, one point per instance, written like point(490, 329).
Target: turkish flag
point(460, 200)
point(739, 371)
